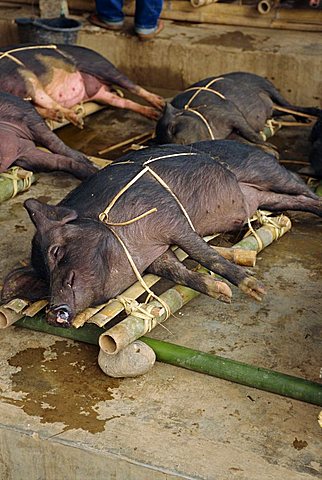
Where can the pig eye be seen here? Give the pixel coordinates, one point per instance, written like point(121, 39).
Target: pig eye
point(54, 251)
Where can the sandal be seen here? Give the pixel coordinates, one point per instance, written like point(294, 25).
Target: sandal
point(150, 36)
point(95, 20)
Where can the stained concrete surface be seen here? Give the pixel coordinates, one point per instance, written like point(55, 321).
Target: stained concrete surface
point(62, 418)
point(185, 52)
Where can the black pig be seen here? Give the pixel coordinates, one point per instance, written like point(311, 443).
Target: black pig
point(58, 77)
point(234, 103)
point(77, 261)
point(316, 150)
point(21, 129)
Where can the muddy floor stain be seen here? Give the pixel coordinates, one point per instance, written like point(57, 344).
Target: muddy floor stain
point(62, 383)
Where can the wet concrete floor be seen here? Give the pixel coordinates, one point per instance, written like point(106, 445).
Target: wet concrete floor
point(61, 417)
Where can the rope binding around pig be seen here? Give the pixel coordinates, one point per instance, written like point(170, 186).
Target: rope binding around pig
point(30, 47)
point(103, 217)
point(270, 122)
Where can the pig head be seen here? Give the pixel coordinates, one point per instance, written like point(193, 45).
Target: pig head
point(70, 259)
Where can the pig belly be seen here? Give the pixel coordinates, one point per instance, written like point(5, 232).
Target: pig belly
point(66, 88)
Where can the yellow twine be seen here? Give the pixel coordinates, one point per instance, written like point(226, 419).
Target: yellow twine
point(200, 89)
point(15, 174)
point(205, 121)
point(262, 216)
point(20, 49)
point(140, 278)
point(103, 216)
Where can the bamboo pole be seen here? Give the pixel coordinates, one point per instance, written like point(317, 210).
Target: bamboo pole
point(13, 181)
point(224, 368)
point(266, 234)
point(127, 141)
point(238, 372)
point(87, 108)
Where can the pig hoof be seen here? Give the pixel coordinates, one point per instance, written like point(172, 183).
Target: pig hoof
point(157, 102)
point(150, 112)
point(252, 287)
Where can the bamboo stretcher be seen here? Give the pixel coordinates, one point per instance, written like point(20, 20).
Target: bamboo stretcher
point(120, 354)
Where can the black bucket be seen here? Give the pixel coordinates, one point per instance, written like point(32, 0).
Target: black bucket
point(48, 30)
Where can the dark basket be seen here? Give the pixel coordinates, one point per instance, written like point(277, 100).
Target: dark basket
point(48, 30)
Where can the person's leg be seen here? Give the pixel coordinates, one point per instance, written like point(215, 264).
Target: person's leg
point(147, 13)
point(110, 12)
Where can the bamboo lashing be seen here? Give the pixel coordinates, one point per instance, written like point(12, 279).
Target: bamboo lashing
point(131, 328)
point(103, 314)
point(15, 180)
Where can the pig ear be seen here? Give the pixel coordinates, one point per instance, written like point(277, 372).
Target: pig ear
point(45, 216)
point(24, 282)
point(169, 111)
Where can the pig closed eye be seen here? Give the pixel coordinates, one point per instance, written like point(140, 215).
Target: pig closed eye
point(55, 252)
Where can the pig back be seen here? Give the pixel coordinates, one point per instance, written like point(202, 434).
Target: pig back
point(206, 189)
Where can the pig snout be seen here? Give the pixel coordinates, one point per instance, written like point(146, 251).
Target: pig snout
point(59, 315)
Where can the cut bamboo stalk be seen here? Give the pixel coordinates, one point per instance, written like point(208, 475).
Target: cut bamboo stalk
point(88, 108)
point(35, 308)
point(126, 142)
point(266, 234)
point(11, 312)
point(114, 306)
point(240, 256)
point(15, 180)
point(133, 327)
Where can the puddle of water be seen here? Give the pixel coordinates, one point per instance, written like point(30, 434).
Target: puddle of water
point(62, 383)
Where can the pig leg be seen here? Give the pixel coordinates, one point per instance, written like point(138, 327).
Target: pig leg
point(47, 106)
point(33, 158)
point(43, 136)
point(201, 252)
point(104, 95)
point(279, 201)
point(168, 266)
point(241, 126)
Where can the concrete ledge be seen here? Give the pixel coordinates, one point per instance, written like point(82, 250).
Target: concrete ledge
point(184, 53)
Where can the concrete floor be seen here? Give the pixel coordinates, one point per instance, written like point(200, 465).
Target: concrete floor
point(62, 418)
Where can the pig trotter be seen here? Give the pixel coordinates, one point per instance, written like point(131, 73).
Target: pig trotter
point(150, 112)
point(252, 287)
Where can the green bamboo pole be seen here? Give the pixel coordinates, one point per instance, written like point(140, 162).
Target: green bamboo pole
point(89, 333)
point(232, 370)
